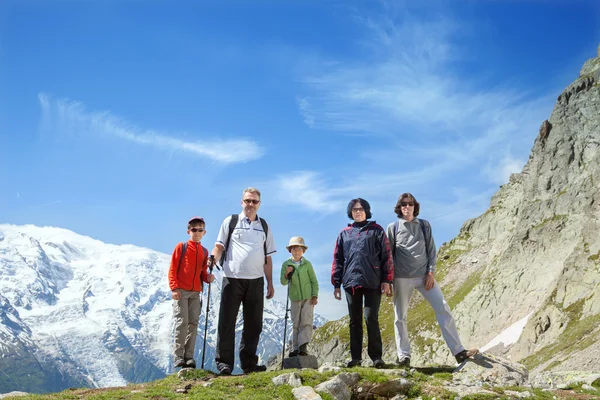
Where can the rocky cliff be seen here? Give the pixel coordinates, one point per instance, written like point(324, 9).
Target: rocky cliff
point(533, 257)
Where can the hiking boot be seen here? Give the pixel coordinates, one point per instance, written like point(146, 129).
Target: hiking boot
point(293, 353)
point(354, 363)
point(404, 362)
point(465, 355)
point(255, 368)
point(225, 370)
point(179, 362)
point(378, 363)
point(190, 363)
point(302, 351)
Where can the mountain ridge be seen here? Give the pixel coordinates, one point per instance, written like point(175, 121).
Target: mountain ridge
point(82, 313)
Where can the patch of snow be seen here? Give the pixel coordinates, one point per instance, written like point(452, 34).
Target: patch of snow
point(510, 335)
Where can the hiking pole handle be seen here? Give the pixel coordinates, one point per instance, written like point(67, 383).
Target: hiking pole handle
point(291, 273)
point(212, 263)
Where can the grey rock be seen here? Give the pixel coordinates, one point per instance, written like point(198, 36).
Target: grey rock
point(184, 373)
point(309, 361)
point(389, 388)
point(491, 370)
point(585, 386)
point(292, 379)
point(349, 378)
point(520, 395)
point(563, 386)
point(554, 379)
point(305, 393)
point(339, 387)
point(395, 372)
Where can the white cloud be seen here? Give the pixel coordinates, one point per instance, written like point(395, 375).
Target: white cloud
point(501, 171)
point(316, 192)
point(435, 122)
point(71, 116)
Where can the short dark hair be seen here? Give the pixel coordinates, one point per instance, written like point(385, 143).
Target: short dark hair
point(409, 197)
point(365, 204)
point(195, 222)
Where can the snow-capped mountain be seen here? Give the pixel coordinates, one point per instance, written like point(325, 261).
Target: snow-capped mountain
point(75, 311)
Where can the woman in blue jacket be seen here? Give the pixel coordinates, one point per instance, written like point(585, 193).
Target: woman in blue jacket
point(363, 266)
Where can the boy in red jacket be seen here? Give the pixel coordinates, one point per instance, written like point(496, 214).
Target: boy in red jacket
point(187, 272)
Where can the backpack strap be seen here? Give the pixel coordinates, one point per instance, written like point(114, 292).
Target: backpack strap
point(232, 223)
point(183, 249)
point(265, 227)
point(394, 234)
point(426, 234)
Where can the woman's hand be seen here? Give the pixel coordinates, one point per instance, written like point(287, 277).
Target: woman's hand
point(429, 281)
point(337, 293)
point(314, 300)
point(386, 289)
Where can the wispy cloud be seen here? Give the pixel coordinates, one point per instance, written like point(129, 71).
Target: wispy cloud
point(71, 116)
point(439, 121)
point(316, 194)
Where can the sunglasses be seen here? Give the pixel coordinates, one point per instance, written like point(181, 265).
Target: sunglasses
point(358, 209)
point(197, 230)
point(405, 204)
point(251, 201)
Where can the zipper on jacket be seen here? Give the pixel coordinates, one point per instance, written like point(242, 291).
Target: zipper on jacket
point(195, 267)
point(299, 281)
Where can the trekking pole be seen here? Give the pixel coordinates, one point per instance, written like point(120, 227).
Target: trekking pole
point(287, 300)
point(212, 263)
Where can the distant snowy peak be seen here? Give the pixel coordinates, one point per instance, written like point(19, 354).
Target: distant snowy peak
point(88, 313)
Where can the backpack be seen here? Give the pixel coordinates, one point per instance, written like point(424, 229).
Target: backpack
point(425, 227)
point(232, 223)
point(183, 249)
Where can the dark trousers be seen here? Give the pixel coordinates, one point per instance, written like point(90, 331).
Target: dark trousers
point(372, 300)
point(249, 293)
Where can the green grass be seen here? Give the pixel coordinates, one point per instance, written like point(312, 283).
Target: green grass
point(259, 386)
point(459, 295)
point(555, 218)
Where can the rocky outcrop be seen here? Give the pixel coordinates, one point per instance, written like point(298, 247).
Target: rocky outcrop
point(533, 256)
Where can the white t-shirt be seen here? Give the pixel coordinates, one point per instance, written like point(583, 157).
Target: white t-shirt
point(245, 255)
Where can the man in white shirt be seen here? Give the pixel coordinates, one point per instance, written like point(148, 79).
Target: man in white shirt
point(247, 260)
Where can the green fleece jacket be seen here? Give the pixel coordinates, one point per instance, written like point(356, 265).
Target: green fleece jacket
point(303, 284)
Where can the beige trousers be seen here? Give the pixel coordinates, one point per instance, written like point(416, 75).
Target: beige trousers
point(302, 320)
point(186, 313)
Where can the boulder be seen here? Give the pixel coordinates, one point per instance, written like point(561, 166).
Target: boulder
point(305, 393)
point(340, 386)
point(492, 370)
point(292, 379)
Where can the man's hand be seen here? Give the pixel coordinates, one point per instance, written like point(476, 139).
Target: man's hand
point(210, 278)
point(270, 291)
point(289, 270)
point(175, 295)
point(386, 289)
point(314, 300)
point(429, 281)
point(337, 293)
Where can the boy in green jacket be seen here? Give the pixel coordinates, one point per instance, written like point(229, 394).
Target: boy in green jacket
point(304, 291)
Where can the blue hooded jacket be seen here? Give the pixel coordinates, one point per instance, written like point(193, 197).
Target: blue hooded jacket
point(362, 258)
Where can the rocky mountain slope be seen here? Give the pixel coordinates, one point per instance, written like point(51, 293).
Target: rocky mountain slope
point(532, 258)
point(76, 312)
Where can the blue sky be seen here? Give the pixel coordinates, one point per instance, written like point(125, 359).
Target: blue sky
point(121, 119)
